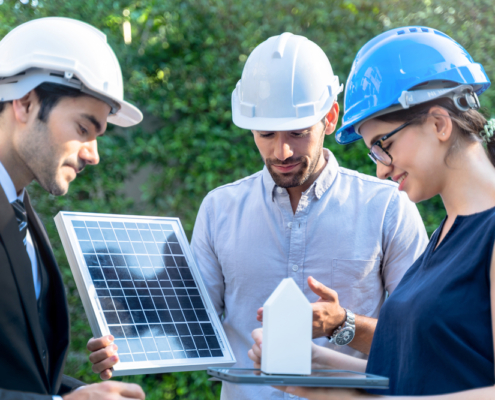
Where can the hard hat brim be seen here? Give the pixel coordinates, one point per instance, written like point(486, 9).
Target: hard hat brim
point(128, 115)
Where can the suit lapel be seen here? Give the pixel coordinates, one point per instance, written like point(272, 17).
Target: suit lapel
point(20, 265)
point(57, 290)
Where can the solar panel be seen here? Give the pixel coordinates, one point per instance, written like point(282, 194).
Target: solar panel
point(138, 281)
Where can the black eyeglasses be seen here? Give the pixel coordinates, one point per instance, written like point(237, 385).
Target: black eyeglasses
point(378, 153)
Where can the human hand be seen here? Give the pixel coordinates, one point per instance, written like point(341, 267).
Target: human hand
point(255, 352)
point(328, 314)
point(103, 355)
point(107, 391)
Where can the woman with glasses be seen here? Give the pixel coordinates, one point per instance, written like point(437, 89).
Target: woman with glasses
point(412, 95)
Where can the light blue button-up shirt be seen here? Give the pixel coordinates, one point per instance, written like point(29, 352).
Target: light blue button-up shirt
point(354, 233)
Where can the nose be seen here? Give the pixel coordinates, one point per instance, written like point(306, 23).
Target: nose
point(383, 171)
point(89, 152)
point(283, 149)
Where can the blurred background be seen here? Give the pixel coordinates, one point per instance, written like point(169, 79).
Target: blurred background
point(180, 61)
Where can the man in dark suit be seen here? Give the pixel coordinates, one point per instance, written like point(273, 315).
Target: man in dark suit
point(60, 83)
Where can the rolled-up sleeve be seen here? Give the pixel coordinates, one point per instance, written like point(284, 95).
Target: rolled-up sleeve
point(405, 239)
point(202, 245)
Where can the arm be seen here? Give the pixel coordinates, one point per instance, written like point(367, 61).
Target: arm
point(328, 314)
point(486, 393)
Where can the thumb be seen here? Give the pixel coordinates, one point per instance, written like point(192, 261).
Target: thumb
point(321, 290)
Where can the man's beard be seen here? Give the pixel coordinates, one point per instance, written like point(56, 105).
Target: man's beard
point(290, 180)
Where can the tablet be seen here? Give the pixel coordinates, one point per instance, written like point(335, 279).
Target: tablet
point(318, 378)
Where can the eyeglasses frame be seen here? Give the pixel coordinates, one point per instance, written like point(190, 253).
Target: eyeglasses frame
point(380, 141)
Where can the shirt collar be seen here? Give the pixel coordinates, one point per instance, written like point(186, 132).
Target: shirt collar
point(8, 186)
point(320, 186)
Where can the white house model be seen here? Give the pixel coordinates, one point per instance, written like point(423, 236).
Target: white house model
point(287, 331)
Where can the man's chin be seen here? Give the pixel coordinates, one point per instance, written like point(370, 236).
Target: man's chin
point(55, 188)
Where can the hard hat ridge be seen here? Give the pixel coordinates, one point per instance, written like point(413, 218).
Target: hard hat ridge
point(287, 84)
point(66, 52)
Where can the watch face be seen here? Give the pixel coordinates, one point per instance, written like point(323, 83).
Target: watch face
point(344, 337)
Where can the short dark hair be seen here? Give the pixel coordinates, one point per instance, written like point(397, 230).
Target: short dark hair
point(49, 95)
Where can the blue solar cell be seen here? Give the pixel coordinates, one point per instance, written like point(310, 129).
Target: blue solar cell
point(154, 356)
point(82, 233)
point(175, 343)
point(131, 261)
point(177, 284)
point(142, 225)
point(146, 236)
point(104, 224)
point(185, 273)
point(165, 284)
point(195, 329)
point(159, 236)
point(149, 345)
point(216, 353)
point(113, 247)
point(173, 303)
point(126, 247)
point(212, 342)
point(125, 358)
point(204, 353)
point(78, 223)
point(120, 303)
point(118, 261)
point(188, 343)
point(139, 248)
point(164, 249)
point(109, 273)
point(138, 317)
point(207, 329)
point(92, 224)
point(171, 237)
point(95, 234)
point(152, 283)
point(197, 302)
point(143, 331)
point(100, 247)
point(166, 355)
point(125, 317)
point(111, 318)
point(95, 273)
point(190, 315)
point(184, 302)
point(108, 234)
point(151, 316)
point(192, 292)
point(151, 248)
point(122, 345)
point(135, 345)
point(179, 354)
point(113, 284)
point(134, 303)
point(175, 248)
point(156, 261)
point(127, 284)
point(164, 316)
point(155, 292)
point(180, 292)
point(117, 292)
point(134, 236)
point(147, 303)
point(130, 331)
point(167, 227)
point(118, 225)
point(99, 284)
point(86, 247)
point(139, 357)
point(200, 342)
point(183, 330)
point(155, 226)
point(130, 225)
point(121, 235)
point(130, 292)
point(170, 330)
point(106, 303)
point(162, 344)
point(177, 316)
point(180, 261)
point(202, 315)
point(189, 284)
point(103, 292)
point(140, 284)
point(157, 330)
point(118, 333)
point(160, 303)
point(169, 261)
point(136, 273)
point(192, 354)
point(173, 273)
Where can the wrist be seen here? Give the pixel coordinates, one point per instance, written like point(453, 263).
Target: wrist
point(342, 318)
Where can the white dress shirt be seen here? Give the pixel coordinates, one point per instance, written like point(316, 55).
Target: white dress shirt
point(9, 189)
point(354, 233)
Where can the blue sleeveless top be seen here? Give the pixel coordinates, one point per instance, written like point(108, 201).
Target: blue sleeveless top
point(434, 333)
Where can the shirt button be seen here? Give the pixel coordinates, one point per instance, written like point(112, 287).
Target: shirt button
point(292, 395)
point(295, 268)
point(289, 225)
point(280, 190)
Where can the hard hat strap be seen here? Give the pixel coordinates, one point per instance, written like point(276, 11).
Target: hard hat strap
point(463, 96)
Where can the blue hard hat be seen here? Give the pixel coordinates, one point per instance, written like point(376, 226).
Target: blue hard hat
point(404, 67)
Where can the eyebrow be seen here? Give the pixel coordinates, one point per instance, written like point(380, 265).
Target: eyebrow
point(376, 139)
point(94, 121)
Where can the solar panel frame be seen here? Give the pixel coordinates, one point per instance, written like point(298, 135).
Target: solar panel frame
point(173, 327)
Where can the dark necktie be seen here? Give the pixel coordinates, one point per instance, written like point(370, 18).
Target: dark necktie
point(22, 219)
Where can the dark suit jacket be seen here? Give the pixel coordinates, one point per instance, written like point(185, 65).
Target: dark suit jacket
point(22, 345)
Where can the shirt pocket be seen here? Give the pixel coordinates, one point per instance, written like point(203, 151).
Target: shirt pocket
point(358, 284)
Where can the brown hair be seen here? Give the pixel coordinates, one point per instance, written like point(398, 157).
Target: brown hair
point(467, 124)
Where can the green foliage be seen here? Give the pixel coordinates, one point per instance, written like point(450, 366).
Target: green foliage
point(181, 67)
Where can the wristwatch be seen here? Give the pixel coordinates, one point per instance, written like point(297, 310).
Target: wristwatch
point(345, 333)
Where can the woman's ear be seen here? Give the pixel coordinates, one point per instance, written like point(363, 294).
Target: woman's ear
point(441, 123)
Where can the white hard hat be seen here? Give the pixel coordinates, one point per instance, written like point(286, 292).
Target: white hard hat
point(67, 52)
point(287, 84)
